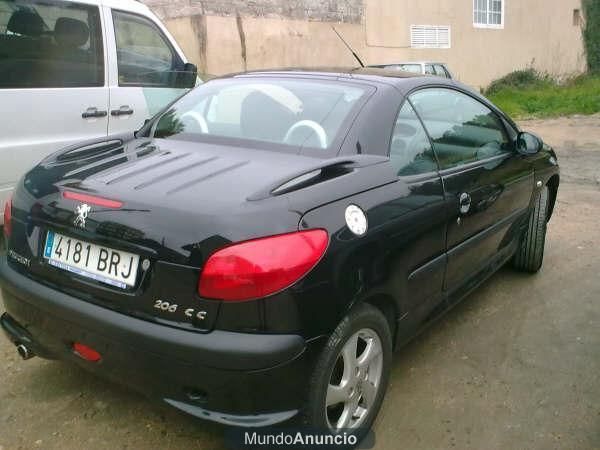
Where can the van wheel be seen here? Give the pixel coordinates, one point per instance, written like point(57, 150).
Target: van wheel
point(530, 254)
point(351, 376)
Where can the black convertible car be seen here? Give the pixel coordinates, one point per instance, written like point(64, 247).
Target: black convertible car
point(257, 250)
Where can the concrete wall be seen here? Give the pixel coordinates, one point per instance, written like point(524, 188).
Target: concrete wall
point(536, 32)
point(234, 35)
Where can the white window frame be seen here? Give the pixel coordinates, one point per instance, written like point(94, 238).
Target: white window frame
point(437, 29)
point(487, 16)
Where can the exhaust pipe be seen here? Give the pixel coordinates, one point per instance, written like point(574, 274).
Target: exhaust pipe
point(24, 352)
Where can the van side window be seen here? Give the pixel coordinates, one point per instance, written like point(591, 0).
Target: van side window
point(50, 44)
point(410, 150)
point(144, 56)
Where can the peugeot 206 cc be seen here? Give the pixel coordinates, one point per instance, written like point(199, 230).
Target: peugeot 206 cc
point(258, 249)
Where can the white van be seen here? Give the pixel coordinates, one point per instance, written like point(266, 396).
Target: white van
point(77, 70)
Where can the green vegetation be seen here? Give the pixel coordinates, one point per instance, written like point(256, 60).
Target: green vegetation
point(519, 79)
point(528, 94)
point(591, 33)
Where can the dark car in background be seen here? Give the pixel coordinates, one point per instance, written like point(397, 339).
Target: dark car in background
point(257, 250)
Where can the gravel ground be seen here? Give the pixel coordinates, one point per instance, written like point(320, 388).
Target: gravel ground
point(516, 365)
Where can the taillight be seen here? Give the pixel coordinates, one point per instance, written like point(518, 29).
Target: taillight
point(8, 218)
point(261, 267)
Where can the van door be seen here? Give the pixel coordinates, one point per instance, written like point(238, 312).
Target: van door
point(52, 82)
point(145, 77)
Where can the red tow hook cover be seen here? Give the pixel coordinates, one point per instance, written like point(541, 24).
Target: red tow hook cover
point(85, 352)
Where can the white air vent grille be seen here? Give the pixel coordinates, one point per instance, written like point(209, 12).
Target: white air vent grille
point(430, 36)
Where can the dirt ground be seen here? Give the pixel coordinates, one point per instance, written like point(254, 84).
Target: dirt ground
point(515, 366)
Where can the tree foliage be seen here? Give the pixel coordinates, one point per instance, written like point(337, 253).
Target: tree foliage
point(591, 33)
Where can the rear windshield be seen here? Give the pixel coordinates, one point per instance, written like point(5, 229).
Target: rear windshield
point(414, 68)
point(296, 113)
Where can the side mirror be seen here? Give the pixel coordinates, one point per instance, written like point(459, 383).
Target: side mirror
point(528, 143)
point(186, 78)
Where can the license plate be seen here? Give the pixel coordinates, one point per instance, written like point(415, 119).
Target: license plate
point(109, 266)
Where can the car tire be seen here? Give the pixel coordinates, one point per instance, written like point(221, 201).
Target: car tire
point(530, 254)
point(366, 383)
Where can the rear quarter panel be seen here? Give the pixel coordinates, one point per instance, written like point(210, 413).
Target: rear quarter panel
point(404, 243)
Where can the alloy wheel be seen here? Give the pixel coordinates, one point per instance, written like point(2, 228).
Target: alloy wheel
point(355, 381)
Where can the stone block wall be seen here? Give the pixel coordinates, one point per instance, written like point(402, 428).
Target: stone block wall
point(341, 11)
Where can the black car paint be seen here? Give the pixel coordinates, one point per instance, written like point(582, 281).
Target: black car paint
point(184, 200)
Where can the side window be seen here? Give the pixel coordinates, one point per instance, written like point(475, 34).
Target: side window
point(440, 71)
point(144, 55)
point(429, 69)
point(410, 150)
point(50, 44)
point(463, 130)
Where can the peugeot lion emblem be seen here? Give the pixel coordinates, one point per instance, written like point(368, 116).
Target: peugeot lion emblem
point(81, 212)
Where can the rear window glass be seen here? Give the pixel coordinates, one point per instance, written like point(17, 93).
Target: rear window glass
point(414, 68)
point(295, 113)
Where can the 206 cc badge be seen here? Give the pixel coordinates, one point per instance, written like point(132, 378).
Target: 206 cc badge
point(356, 220)
point(81, 215)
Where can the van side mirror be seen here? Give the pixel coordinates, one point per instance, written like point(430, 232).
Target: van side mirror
point(528, 143)
point(186, 78)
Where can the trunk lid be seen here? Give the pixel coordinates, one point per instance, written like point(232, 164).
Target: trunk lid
point(175, 196)
point(180, 202)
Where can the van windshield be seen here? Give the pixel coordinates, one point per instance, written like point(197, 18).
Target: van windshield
point(299, 113)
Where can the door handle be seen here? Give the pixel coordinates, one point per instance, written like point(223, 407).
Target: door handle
point(464, 203)
point(124, 110)
point(93, 112)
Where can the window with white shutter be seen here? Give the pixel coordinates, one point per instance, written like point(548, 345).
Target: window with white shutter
point(488, 13)
point(430, 36)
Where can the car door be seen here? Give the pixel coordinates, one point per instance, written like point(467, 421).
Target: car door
point(488, 185)
point(52, 82)
point(144, 78)
point(418, 216)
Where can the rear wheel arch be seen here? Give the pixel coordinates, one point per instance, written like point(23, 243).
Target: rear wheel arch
point(362, 317)
point(387, 306)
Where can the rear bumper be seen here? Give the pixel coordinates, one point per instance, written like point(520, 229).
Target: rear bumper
point(233, 378)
